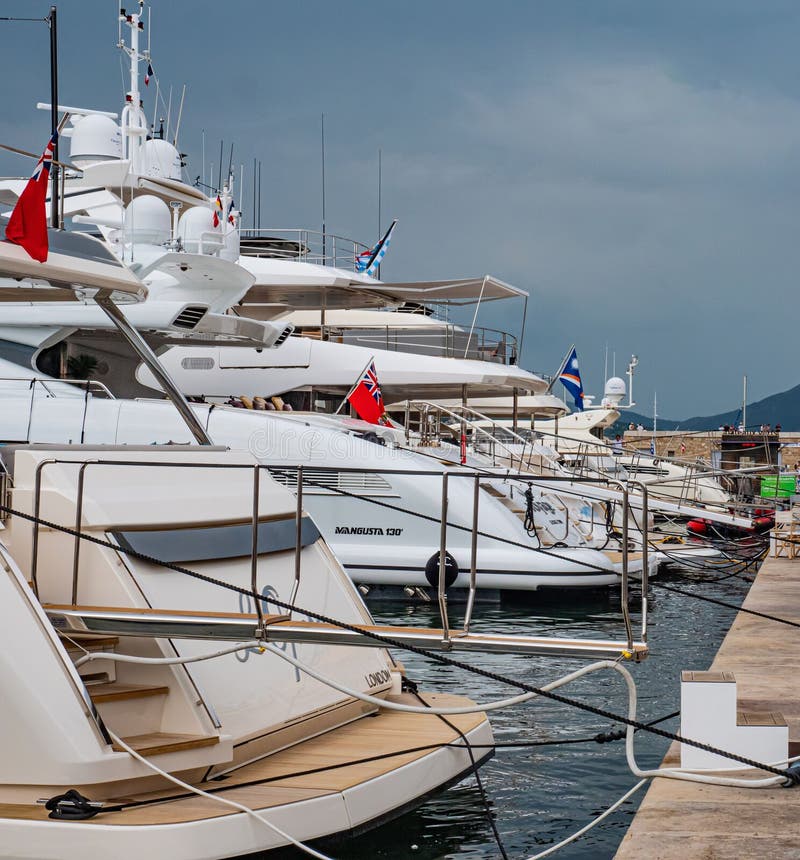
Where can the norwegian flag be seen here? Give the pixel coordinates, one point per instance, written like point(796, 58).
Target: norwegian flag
point(366, 398)
point(148, 74)
point(27, 225)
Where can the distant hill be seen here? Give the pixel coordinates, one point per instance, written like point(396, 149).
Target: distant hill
point(782, 408)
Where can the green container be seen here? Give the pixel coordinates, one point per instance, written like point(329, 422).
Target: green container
point(786, 485)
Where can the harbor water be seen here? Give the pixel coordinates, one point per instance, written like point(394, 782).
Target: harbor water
point(541, 795)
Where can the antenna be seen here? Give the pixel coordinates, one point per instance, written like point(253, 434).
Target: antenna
point(631, 367)
point(219, 174)
point(605, 366)
point(255, 178)
point(324, 237)
point(259, 194)
point(133, 122)
point(203, 139)
point(655, 419)
point(169, 108)
point(379, 192)
point(744, 402)
point(230, 161)
point(180, 114)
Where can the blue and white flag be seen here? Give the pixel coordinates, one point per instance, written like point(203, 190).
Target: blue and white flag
point(570, 378)
point(368, 261)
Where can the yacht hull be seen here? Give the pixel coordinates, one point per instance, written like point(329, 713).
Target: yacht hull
point(307, 807)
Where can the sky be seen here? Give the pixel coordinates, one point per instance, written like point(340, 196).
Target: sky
point(634, 166)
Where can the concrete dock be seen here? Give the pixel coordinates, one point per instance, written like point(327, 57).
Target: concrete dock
point(682, 820)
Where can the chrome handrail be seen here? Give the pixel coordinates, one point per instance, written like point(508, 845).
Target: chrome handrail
point(457, 412)
point(444, 476)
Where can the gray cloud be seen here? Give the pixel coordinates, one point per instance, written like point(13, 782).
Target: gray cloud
point(634, 165)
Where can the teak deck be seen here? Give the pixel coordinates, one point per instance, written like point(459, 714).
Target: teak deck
point(679, 820)
point(387, 732)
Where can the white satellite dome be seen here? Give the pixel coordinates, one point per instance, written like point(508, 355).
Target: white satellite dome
point(161, 160)
point(147, 221)
point(615, 391)
point(94, 138)
point(197, 232)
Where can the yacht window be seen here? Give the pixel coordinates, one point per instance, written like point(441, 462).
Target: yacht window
point(217, 542)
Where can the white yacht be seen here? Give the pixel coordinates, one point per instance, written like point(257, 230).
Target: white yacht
point(122, 569)
point(382, 521)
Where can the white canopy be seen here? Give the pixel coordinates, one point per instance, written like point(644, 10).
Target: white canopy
point(344, 292)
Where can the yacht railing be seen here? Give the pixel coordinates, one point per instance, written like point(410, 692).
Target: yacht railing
point(501, 442)
point(432, 413)
point(449, 639)
point(306, 246)
point(5, 492)
point(443, 340)
point(90, 387)
point(687, 486)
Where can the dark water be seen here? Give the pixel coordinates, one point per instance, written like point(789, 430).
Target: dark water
point(540, 796)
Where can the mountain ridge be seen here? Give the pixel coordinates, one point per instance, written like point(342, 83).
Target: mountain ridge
point(782, 408)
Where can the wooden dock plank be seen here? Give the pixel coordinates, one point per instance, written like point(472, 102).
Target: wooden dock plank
point(679, 820)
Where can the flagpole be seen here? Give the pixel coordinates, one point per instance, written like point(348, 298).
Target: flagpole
point(380, 178)
point(355, 384)
point(53, 23)
point(560, 369)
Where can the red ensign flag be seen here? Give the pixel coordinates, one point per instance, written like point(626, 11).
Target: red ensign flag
point(366, 398)
point(27, 225)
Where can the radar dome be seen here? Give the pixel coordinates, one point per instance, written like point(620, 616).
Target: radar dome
point(94, 138)
point(614, 392)
point(197, 232)
point(147, 221)
point(161, 159)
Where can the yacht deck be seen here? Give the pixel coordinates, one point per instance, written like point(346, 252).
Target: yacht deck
point(315, 768)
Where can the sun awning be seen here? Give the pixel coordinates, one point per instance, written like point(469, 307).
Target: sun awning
point(345, 293)
point(463, 291)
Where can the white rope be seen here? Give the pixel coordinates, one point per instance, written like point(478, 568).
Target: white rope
point(165, 661)
point(669, 773)
point(215, 797)
point(264, 647)
point(578, 833)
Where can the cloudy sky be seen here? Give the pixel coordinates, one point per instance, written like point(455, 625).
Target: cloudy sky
point(635, 166)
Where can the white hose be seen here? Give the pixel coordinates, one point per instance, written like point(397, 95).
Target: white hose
point(223, 800)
